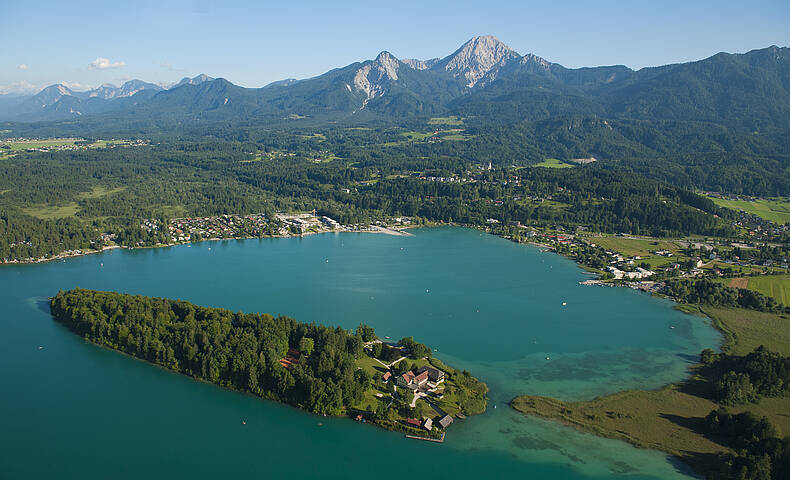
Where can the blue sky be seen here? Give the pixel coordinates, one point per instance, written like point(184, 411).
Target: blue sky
point(86, 44)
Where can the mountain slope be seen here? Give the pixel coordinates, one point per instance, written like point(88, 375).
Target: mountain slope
point(484, 78)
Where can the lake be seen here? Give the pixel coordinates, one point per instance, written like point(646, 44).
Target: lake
point(493, 307)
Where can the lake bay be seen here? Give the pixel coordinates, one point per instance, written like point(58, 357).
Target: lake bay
point(495, 308)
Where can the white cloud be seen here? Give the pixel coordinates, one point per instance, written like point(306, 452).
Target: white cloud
point(104, 63)
point(19, 88)
point(22, 66)
point(76, 86)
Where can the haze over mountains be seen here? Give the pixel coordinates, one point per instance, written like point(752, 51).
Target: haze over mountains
point(483, 77)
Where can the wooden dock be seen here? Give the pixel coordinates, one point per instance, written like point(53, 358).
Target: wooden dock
point(435, 440)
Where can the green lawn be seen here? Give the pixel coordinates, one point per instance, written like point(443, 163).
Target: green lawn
point(775, 210)
point(552, 163)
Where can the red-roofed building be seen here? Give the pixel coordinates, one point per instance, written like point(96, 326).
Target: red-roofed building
point(412, 381)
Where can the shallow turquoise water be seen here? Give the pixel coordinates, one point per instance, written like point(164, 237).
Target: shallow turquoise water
point(72, 410)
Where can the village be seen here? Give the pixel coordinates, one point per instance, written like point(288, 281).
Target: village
point(407, 392)
point(181, 230)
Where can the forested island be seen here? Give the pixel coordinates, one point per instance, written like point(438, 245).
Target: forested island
point(317, 368)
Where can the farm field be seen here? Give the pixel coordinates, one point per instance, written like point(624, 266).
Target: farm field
point(776, 286)
point(775, 210)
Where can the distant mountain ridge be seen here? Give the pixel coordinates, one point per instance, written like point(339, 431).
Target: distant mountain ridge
point(483, 77)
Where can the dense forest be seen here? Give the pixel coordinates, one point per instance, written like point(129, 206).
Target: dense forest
point(762, 455)
point(112, 191)
point(230, 349)
point(743, 379)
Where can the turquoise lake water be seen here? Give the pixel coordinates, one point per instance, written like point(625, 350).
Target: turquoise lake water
point(73, 410)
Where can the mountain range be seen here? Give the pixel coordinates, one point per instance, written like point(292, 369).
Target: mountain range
point(483, 78)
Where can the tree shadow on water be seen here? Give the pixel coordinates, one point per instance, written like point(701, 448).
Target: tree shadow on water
point(42, 304)
point(691, 359)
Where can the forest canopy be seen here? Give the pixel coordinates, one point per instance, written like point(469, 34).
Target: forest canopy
point(242, 351)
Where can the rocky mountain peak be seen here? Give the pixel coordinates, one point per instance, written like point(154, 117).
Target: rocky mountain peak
point(374, 76)
point(389, 64)
point(477, 57)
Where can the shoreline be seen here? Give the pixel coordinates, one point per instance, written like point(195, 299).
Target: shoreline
point(385, 230)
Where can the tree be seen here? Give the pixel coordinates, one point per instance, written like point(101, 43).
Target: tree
point(736, 388)
point(306, 345)
point(708, 356)
point(366, 333)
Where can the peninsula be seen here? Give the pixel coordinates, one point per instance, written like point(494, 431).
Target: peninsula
point(324, 370)
point(728, 420)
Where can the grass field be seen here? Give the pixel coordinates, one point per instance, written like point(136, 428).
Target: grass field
point(552, 163)
point(458, 137)
point(631, 247)
point(52, 212)
point(635, 246)
point(314, 136)
point(416, 136)
point(775, 210)
point(9, 149)
point(750, 329)
point(451, 120)
point(670, 419)
point(100, 191)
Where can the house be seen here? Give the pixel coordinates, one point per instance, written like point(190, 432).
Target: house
point(386, 376)
point(412, 381)
point(413, 422)
point(406, 379)
point(435, 375)
point(446, 421)
point(290, 359)
point(427, 424)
